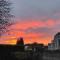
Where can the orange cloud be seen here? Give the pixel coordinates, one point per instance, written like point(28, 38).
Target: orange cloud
point(18, 30)
point(34, 24)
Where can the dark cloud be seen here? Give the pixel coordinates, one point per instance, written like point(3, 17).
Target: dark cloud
point(36, 8)
point(46, 31)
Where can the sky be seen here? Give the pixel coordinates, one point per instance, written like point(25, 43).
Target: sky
point(35, 21)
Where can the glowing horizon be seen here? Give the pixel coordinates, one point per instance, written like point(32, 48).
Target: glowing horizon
point(31, 31)
point(35, 21)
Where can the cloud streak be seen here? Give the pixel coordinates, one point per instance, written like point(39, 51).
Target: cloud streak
point(36, 20)
point(36, 8)
point(35, 31)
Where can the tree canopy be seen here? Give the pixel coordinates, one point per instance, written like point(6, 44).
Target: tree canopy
point(5, 15)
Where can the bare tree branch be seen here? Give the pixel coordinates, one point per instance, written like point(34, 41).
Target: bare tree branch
point(5, 16)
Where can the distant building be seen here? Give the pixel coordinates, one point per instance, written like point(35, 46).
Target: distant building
point(28, 47)
point(55, 43)
point(50, 46)
point(35, 47)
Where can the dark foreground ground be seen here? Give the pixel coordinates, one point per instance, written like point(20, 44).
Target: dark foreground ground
point(15, 53)
point(30, 56)
point(37, 56)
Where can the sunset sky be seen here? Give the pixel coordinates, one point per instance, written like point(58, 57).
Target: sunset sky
point(35, 21)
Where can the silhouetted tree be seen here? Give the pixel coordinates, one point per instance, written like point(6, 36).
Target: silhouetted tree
point(5, 15)
point(20, 43)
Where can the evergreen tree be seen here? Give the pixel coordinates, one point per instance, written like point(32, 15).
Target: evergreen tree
point(5, 15)
point(20, 43)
